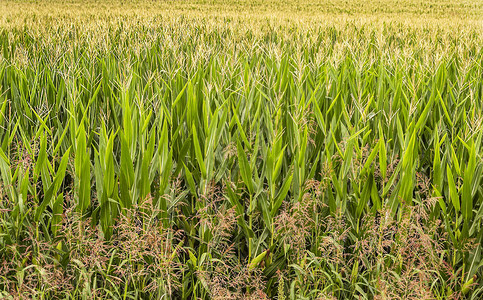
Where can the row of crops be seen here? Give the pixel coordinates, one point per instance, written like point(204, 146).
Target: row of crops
point(213, 158)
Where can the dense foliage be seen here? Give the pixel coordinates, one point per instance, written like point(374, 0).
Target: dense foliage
point(240, 156)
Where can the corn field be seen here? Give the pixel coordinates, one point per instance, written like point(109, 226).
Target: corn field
point(233, 150)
